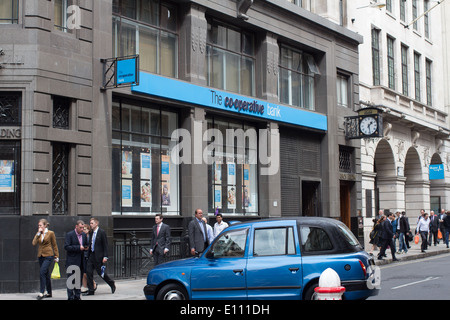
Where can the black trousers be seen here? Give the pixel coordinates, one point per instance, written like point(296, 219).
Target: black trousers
point(92, 265)
point(384, 244)
point(424, 235)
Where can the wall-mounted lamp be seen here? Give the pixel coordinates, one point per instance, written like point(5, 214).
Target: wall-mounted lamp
point(376, 5)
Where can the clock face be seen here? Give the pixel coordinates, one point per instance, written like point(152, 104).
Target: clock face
point(368, 125)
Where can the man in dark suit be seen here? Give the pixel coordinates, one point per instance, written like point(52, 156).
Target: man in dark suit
point(98, 256)
point(75, 244)
point(434, 227)
point(160, 242)
point(387, 236)
point(198, 239)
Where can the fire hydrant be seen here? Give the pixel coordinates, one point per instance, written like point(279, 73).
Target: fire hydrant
point(329, 286)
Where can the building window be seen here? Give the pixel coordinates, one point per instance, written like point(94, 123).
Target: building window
point(60, 15)
point(402, 10)
point(376, 67)
point(10, 108)
point(144, 179)
point(426, 18)
point(9, 11)
point(296, 78)
point(417, 75)
point(428, 66)
point(147, 28)
point(391, 62)
point(230, 59)
point(346, 160)
point(61, 112)
point(233, 187)
point(10, 177)
point(389, 6)
point(405, 82)
point(60, 187)
point(415, 14)
point(342, 87)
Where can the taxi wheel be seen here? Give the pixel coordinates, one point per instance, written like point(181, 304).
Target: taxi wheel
point(172, 291)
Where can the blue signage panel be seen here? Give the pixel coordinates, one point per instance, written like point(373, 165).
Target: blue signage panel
point(436, 171)
point(126, 71)
point(209, 97)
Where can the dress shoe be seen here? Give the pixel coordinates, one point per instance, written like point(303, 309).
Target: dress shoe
point(113, 288)
point(89, 293)
point(395, 259)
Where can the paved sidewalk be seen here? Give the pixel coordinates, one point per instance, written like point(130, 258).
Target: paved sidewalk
point(125, 290)
point(133, 289)
point(413, 253)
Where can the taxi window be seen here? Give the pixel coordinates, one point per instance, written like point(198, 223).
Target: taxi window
point(230, 244)
point(274, 241)
point(314, 239)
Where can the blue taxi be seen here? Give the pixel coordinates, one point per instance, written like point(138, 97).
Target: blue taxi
point(268, 259)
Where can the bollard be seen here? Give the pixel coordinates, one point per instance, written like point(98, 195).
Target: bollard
point(329, 286)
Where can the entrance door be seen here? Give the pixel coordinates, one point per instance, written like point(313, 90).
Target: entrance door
point(310, 198)
point(345, 191)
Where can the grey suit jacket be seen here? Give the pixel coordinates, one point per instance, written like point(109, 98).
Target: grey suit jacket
point(196, 240)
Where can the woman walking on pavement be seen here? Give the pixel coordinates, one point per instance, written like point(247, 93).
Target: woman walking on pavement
point(423, 227)
point(47, 252)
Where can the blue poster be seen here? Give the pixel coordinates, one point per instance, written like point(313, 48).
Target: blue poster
point(436, 171)
point(164, 167)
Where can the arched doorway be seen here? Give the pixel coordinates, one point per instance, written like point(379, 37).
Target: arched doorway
point(388, 187)
point(417, 188)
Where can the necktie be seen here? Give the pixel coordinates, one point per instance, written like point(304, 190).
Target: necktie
point(94, 235)
point(157, 229)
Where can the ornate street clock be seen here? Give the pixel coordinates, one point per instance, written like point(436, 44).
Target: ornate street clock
point(368, 124)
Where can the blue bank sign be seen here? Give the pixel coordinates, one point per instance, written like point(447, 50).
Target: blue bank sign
point(127, 71)
point(208, 97)
point(436, 171)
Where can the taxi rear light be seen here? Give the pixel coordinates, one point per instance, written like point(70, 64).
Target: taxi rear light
point(363, 267)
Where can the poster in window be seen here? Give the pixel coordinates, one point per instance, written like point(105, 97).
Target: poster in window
point(165, 167)
point(127, 161)
point(217, 173)
point(146, 194)
point(231, 197)
point(218, 197)
point(231, 169)
point(127, 192)
point(7, 176)
point(246, 202)
point(146, 167)
point(165, 194)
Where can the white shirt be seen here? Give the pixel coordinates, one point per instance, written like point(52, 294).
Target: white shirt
point(219, 227)
point(423, 225)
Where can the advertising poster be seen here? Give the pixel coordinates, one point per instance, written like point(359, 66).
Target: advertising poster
point(217, 173)
point(127, 161)
point(218, 197)
point(146, 169)
point(6, 176)
point(231, 197)
point(127, 192)
point(146, 194)
point(246, 203)
point(165, 167)
point(165, 193)
point(231, 168)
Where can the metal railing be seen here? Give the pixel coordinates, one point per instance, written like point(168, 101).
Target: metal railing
point(133, 260)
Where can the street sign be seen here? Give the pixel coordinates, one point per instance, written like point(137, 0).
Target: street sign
point(120, 72)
